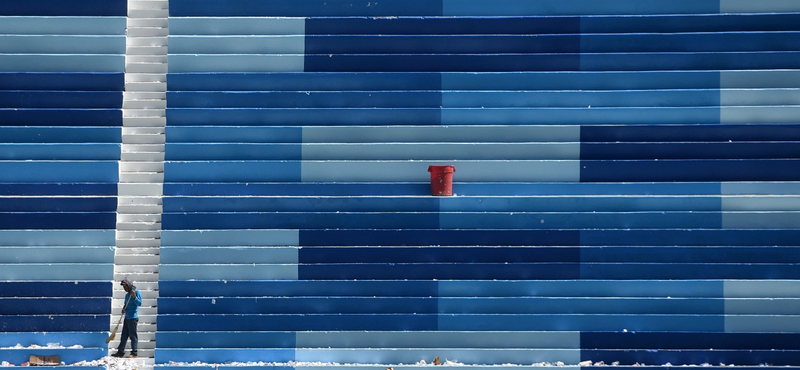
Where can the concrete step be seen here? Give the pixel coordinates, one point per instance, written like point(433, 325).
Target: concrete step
point(159, 121)
point(138, 243)
point(144, 189)
point(145, 86)
point(148, 13)
point(147, 66)
point(139, 234)
point(142, 156)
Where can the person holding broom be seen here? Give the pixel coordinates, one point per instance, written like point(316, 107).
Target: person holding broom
point(133, 299)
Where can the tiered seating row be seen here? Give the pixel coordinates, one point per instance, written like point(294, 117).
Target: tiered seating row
point(61, 81)
point(327, 321)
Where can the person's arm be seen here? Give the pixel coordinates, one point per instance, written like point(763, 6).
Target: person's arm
point(137, 298)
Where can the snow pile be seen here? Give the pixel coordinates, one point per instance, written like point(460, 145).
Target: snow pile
point(112, 363)
point(48, 346)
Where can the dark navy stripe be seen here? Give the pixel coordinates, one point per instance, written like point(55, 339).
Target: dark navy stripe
point(71, 81)
point(61, 117)
point(55, 289)
point(39, 189)
point(690, 170)
point(64, 8)
point(304, 8)
point(59, 220)
point(443, 25)
point(701, 133)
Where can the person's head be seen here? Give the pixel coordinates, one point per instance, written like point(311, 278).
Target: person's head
point(127, 285)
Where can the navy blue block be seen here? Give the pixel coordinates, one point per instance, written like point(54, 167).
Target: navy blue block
point(683, 340)
point(413, 237)
point(684, 357)
point(306, 8)
point(437, 254)
point(54, 204)
point(690, 237)
point(230, 171)
point(677, 255)
point(296, 322)
point(61, 117)
point(690, 42)
point(440, 271)
point(55, 289)
point(700, 133)
point(302, 116)
point(576, 188)
point(60, 99)
point(243, 151)
point(64, 8)
point(64, 81)
point(300, 99)
point(305, 189)
point(55, 306)
point(443, 25)
point(450, 63)
point(443, 44)
point(695, 150)
point(687, 61)
point(97, 188)
point(598, 322)
point(17, 134)
point(59, 220)
point(690, 170)
point(59, 151)
point(672, 23)
point(297, 305)
point(225, 339)
point(54, 323)
point(297, 204)
point(302, 81)
point(297, 288)
point(298, 220)
point(668, 271)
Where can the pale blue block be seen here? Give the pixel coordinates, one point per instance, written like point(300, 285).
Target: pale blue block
point(60, 272)
point(58, 238)
point(465, 355)
point(33, 25)
point(748, 6)
point(82, 254)
point(228, 272)
point(234, 255)
point(442, 134)
point(756, 79)
point(761, 220)
point(762, 323)
point(230, 237)
point(439, 339)
point(62, 44)
point(762, 306)
point(762, 288)
point(181, 63)
point(468, 171)
point(442, 151)
point(762, 188)
point(759, 97)
point(254, 44)
point(61, 63)
point(236, 26)
point(759, 114)
point(782, 203)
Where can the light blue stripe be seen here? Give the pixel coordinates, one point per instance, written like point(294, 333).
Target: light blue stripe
point(236, 26)
point(57, 272)
point(73, 238)
point(233, 255)
point(761, 220)
point(760, 188)
point(754, 114)
point(469, 171)
point(784, 203)
point(762, 323)
point(228, 272)
point(440, 339)
point(759, 79)
point(230, 238)
point(467, 356)
point(761, 288)
point(61, 63)
point(441, 134)
point(748, 6)
point(254, 44)
point(62, 44)
point(179, 63)
point(441, 151)
point(30, 25)
point(60, 254)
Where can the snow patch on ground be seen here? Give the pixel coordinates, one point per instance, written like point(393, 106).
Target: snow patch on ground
point(47, 346)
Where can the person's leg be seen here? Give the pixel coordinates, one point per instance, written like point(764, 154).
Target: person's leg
point(123, 339)
point(134, 335)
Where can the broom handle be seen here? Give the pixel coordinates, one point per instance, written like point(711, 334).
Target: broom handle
point(121, 315)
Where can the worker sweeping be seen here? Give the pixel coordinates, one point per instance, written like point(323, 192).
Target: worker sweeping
point(133, 300)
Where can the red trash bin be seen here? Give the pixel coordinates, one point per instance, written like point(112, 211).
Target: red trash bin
point(442, 180)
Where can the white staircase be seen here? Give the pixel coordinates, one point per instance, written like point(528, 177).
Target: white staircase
point(142, 165)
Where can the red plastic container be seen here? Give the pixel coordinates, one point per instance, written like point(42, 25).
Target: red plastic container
point(442, 180)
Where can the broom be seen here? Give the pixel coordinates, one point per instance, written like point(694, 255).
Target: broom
point(114, 332)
